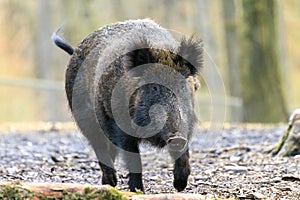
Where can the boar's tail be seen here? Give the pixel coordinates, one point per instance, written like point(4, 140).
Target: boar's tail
point(61, 43)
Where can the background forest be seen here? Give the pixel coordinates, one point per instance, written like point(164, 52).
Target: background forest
point(252, 47)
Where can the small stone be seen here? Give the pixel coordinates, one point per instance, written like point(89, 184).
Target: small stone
point(154, 178)
point(57, 179)
point(94, 166)
point(276, 180)
point(165, 165)
point(236, 168)
point(255, 195)
point(285, 188)
point(290, 177)
point(12, 170)
point(57, 158)
point(32, 174)
point(237, 154)
point(235, 158)
point(57, 189)
point(201, 178)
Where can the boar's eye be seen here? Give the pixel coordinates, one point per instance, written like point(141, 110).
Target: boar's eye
point(155, 89)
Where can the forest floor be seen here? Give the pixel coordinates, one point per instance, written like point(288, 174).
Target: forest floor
point(227, 163)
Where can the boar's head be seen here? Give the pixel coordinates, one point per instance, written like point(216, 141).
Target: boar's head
point(164, 101)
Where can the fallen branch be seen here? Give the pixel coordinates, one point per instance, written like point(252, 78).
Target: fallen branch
point(62, 191)
point(38, 191)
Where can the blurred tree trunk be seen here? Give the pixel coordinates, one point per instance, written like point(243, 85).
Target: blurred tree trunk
point(283, 50)
point(262, 92)
point(168, 11)
point(43, 45)
point(203, 26)
point(43, 56)
point(119, 10)
point(203, 23)
point(232, 49)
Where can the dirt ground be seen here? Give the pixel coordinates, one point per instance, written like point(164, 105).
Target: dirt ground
point(227, 163)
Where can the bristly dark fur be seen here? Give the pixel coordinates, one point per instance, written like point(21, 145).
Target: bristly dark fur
point(191, 49)
point(188, 60)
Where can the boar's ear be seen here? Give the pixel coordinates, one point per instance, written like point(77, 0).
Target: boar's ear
point(190, 56)
point(140, 54)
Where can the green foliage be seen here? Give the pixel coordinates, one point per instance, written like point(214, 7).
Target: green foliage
point(15, 192)
point(138, 191)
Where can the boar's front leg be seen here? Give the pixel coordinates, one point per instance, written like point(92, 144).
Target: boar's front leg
point(133, 163)
point(181, 171)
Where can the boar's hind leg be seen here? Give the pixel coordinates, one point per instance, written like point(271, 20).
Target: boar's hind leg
point(133, 162)
point(108, 172)
point(181, 171)
point(102, 146)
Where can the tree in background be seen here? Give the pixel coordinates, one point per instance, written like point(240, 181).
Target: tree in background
point(43, 56)
point(26, 41)
point(232, 47)
point(262, 92)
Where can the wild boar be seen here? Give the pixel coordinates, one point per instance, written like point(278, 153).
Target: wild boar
point(132, 82)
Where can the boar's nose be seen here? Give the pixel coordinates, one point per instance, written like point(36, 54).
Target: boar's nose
point(176, 143)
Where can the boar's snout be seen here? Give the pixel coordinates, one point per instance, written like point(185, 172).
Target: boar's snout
point(177, 143)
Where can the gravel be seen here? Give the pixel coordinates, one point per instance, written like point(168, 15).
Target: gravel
point(231, 162)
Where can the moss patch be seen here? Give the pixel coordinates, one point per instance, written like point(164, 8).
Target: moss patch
point(279, 145)
point(17, 192)
point(89, 193)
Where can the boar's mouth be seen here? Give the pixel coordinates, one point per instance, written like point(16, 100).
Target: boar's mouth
point(176, 143)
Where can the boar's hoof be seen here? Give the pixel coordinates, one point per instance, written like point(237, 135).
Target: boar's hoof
point(135, 182)
point(177, 143)
point(109, 179)
point(180, 184)
point(181, 172)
